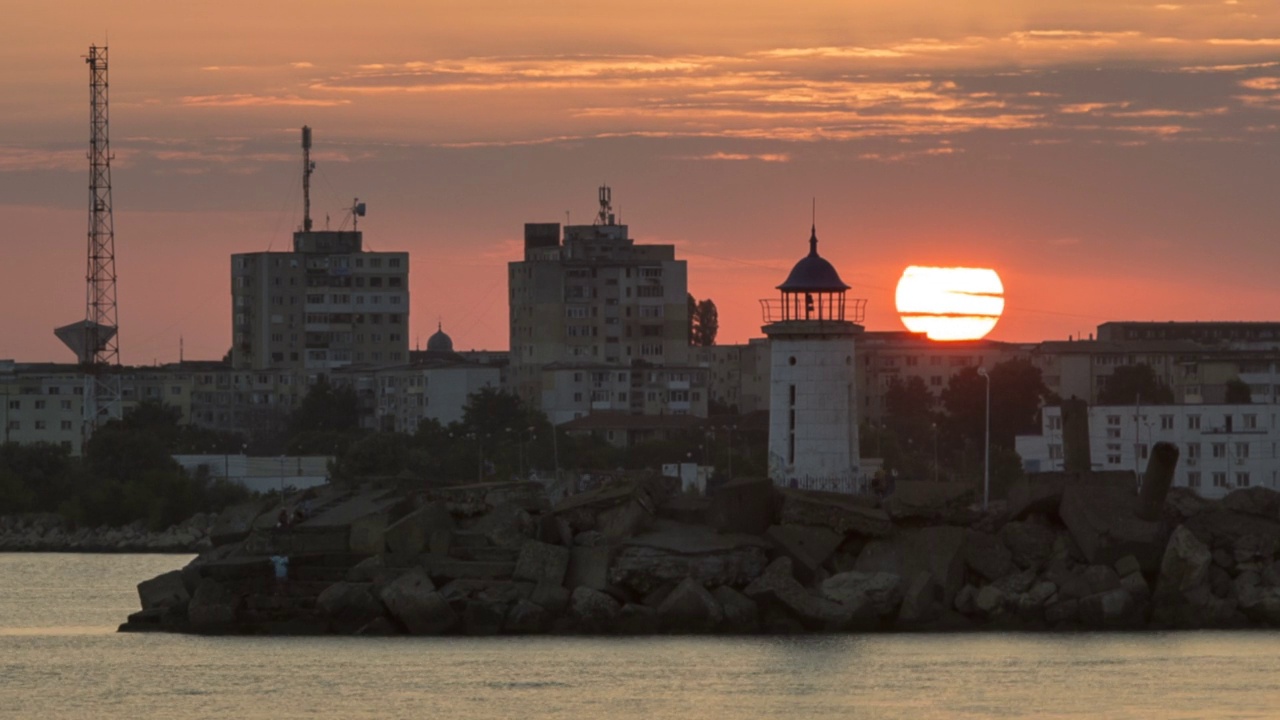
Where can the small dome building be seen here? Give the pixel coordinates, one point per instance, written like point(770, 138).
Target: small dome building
point(813, 403)
point(439, 342)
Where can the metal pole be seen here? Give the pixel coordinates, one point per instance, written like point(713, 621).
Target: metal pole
point(986, 454)
point(935, 452)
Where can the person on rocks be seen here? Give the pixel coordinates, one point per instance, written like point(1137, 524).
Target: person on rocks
point(281, 566)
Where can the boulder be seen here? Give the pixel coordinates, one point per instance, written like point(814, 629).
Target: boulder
point(989, 600)
point(921, 600)
point(592, 610)
point(1110, 609)
point(1063, 612)
point(1103, 523)
point(881, 591)
point(1258, 500)
point(778, 588)
point(1182, 594)
point(673, 551)
point(987, 555)
point(411, 534)
point(836, 511)
point(349, 606)
point(444, 569)
point(367, 535)
point(412, 600)
point(940, 502)
point(636, 619)
point(507, 525)
point(484, 616)
point(741, 615)
point(1183, 503)
point(162, 591)
point(540, 562)
point(743, 505)
point(808, 547)
point(236, 522)
point(937, 550)
point(212, 608)
point(588, 567)
point(526, 618)
point(626, 520)
point(1030, 543)
point(689, 608)
point(1016, 583)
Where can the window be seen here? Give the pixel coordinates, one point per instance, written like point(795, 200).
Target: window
point(66, 424)
point(1242, 450)
point(1113, 420)
point(1219, 479)
point(1055, 422)
point(1193, 451)
point(1242, 479)
point(1193, 422)
point(1250, 422)
point(1166, 422)
point(39, 404)
point(1142, 451)
point(1219, 450)
point(40, 425)
point(1193, 479)
point(1113, 433)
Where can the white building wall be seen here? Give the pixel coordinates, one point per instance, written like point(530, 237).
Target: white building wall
point(1221, 447)
point(825, 427)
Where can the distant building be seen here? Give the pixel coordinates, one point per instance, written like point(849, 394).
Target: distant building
point(1222, 447)
point(600, 323)
point(327, 304)
point(435, 386)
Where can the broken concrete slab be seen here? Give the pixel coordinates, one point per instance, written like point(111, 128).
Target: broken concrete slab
point(1103, 523)
point(808, 547)
point(540, 562)
point(672, 551)
point(836, 511)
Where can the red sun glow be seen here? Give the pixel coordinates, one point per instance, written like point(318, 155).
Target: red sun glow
point(950, 303)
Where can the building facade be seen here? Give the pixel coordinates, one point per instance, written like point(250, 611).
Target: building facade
point(596, 302)
point(325, 305)
point(1221, 447)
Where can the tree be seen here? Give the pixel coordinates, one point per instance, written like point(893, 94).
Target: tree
point(1017, 393)
point(326, 409)
point(1238, 392)
point(704, 324)
point(1133, 384)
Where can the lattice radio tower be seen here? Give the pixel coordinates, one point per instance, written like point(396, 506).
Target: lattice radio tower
point(95, 340)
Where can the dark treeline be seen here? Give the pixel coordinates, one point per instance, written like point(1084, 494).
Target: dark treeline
point(127, 472)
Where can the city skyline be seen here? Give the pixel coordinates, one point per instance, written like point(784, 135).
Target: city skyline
point(1110, 162)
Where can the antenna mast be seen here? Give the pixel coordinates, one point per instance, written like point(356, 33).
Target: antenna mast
point(101, 340)
point(606, 206)
point(307, 167)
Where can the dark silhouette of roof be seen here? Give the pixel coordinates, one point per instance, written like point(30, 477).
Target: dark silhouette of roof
point(439, 341)
point(813, 273)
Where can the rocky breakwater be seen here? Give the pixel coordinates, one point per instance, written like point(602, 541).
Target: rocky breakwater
point(50, 533)
point(1066, 552)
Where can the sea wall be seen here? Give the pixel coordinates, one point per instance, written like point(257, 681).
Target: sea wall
point(1066, 552)
point(50, 533)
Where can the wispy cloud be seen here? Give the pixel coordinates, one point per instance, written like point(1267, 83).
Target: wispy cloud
point(252, 100)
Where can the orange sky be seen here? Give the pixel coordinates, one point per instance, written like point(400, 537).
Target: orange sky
point(1113, 160)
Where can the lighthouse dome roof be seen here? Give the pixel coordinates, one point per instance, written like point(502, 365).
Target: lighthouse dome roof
point(813, 273)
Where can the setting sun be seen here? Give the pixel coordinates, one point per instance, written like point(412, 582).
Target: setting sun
point(950, 303)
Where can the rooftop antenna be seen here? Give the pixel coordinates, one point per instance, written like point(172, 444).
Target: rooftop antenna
point(606, 207)
point(180, 354)
point(307, 168)
point(357, 212)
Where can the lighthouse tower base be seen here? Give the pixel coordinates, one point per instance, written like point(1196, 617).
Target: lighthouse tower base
point(813, 406)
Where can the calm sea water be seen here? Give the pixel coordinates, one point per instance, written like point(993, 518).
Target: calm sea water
point(60, 657)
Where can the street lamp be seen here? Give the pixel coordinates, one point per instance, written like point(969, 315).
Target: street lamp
point(935, 452)
point(986, 451)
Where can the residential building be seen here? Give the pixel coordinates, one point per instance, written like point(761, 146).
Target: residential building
point(327, 304)
point(1221, 447)
point(596, 302)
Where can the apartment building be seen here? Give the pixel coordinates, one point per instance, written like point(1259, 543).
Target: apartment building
point(1222, 447)
point(327, 304)
point(591, 300)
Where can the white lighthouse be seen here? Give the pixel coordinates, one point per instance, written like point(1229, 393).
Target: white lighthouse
point(813, 404)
